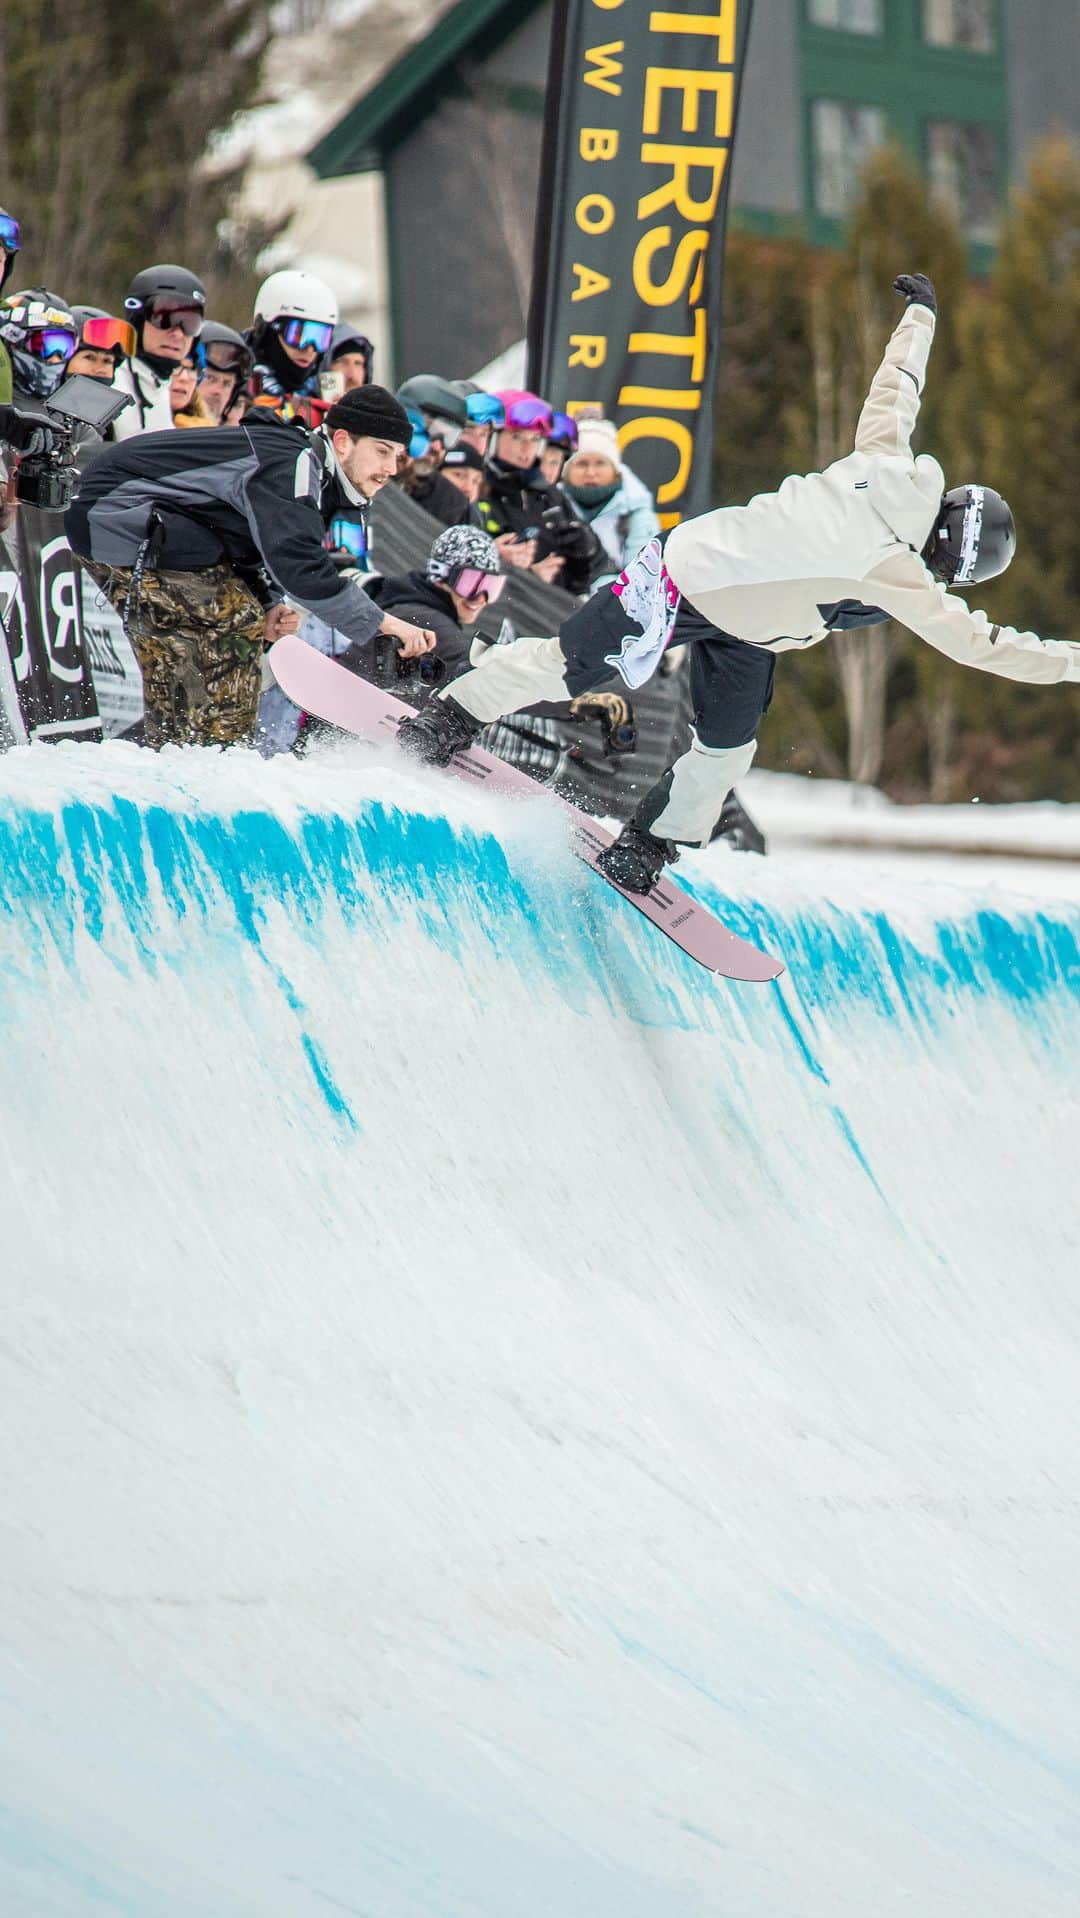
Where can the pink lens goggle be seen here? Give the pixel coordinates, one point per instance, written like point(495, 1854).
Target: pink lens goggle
point(471, 583)
point(524, 414)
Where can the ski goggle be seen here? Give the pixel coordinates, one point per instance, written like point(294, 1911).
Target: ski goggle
point(448, 431)
point(220, 357)
point(51, 343)
point(484, 409)
point(299, 333)
point(103, 335)
point(166, 318)
point(529, 413)
point(10, 233)
point(471, 583)
point(563, 431)
point(421, 438)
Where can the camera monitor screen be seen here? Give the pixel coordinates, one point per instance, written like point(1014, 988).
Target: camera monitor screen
point(89, 401)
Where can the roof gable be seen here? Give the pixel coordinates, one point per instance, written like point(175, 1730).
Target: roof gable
point(410, 87)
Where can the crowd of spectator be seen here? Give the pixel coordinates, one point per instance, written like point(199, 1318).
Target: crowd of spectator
point(512, 483)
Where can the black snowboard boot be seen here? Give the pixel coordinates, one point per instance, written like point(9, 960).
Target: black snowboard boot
point(438, 731)
point(636, 859)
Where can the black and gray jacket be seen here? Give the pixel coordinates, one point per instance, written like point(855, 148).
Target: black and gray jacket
point(258, 495)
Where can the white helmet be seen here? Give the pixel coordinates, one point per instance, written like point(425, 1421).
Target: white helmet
point(295, 296)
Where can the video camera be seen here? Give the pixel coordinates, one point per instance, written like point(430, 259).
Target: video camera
point(48, 479)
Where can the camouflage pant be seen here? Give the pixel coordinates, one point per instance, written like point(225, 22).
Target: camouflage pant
point(198, 640)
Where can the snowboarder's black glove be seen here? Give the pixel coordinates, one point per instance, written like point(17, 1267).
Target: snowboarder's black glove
point(916, 289)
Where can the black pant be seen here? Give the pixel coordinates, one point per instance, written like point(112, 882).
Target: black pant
point(731, 682)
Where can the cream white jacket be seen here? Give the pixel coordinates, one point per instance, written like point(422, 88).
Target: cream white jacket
point(152, 411)
point(771, 572)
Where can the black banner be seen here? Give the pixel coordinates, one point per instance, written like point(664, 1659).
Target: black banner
point(640, 130)
point(42, 626)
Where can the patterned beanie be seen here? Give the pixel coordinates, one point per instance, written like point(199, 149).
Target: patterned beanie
point(461, 546)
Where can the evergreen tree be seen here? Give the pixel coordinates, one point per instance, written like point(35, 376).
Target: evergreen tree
point(107, 108)
point(1019, 430)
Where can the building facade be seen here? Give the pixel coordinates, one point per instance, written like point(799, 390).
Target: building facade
point(454, 129)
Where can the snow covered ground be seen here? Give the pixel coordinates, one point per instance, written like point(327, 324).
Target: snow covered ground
point(498, 1424)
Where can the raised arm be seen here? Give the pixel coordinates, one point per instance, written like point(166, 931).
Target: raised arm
point(891, 407)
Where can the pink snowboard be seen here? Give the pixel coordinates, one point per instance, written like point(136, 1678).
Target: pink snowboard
point(322, 686)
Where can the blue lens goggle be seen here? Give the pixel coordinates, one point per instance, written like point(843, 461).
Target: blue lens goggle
point(10, 233)
point(421, 438)
point(300, 333)
point(484, 409)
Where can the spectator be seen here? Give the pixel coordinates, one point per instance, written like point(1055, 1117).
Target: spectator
point(486, 414)
point(533, 522)
point(561, 442)
point(353, 356)
point(295, 317)
point(41, 336)
point(166, 305)
point(197, 546)
point(10, 242)
point(461, 576)
point(616, 505)
point(188, 407)
point(437, 414)
point(225, 362)
point(464, 468)
point(103, 346)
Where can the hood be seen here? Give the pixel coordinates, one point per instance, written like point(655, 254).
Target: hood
point(906, 494)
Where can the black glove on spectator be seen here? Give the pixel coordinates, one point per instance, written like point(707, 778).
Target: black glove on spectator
point(916, 290)
point(24, 433)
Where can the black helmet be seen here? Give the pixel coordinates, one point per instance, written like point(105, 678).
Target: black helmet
point(974, 536)
point(173, 283)
point(439, 397)
point(239, 359)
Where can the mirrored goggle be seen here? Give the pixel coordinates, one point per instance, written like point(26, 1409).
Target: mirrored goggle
point(448, 431)
point(471, 583)
point(421, 438)
point(563, 430)
point(105, 334)
point(10, 233)
point(316, 333)
point(523, 414)
point(188, 318)
point(51, 343)
point(220, 357)
point(484, 409)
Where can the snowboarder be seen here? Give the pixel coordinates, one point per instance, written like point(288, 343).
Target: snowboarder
point(874, 537)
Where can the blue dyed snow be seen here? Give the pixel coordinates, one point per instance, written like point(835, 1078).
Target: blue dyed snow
point(133, 878)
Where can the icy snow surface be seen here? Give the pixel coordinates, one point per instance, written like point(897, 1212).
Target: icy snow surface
point(496, 1423)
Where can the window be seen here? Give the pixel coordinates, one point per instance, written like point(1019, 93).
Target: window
point(855, 16)
point(843, 136)
point(960, 23)
point(962, 167)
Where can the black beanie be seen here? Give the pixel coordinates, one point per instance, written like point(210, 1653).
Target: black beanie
point(369, 412)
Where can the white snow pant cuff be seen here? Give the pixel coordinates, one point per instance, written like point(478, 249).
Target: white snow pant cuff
point(700, 783)
point(510, 677)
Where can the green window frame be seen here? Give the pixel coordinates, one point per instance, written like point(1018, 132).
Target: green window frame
point(912, 82)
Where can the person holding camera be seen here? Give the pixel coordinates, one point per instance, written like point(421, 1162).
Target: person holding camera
point(198, 538)
point(40, 335)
